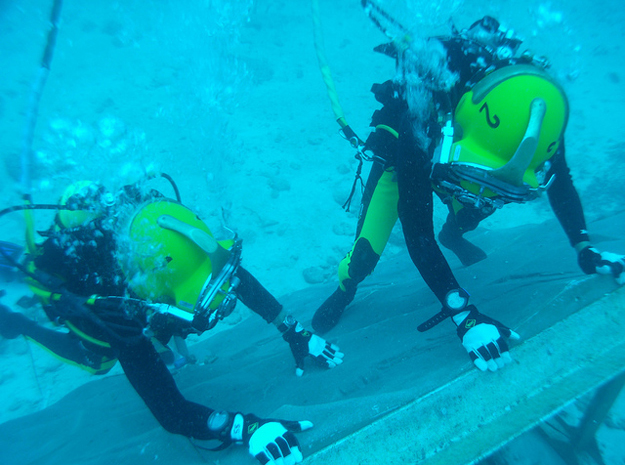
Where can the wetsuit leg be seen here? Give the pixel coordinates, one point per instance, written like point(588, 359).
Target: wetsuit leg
point(374, 229)
point(154, 383)
point(66, 346)
point(459, 221)
point(377, 218)
point(13, 324)
point(145, 370)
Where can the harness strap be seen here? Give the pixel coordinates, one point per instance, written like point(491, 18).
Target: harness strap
point(433, 321)
point(358, 177)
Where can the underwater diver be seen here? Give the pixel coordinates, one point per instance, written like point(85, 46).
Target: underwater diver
point(471, 120)
point(121, 270)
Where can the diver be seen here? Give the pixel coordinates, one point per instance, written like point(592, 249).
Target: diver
point(120, 272)
point(470, 119)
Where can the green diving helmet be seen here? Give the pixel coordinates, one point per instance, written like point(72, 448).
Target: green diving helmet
point(170, 257)
point(504, 131)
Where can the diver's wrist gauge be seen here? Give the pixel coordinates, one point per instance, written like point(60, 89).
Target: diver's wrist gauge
point(288, 322)
point(456, 300)
point(219, 422)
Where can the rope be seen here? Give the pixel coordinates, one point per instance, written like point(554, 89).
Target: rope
point(390, 27)
point(372, 9)
point(35, 97)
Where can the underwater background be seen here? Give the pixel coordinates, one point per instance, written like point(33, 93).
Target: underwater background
point(227, 98)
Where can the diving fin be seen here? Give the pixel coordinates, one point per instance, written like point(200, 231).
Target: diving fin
point(468, 253)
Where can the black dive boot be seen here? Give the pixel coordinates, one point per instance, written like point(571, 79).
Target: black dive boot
point(451, 238)
point(328, 315)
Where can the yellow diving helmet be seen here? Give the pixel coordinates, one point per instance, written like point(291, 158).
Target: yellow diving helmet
point(86, 201)
point(506, 127)
point(170, 257)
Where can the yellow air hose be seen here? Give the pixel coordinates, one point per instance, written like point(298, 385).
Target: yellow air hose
point(326, 74)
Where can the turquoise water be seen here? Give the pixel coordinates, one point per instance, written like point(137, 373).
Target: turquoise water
point(226, 96)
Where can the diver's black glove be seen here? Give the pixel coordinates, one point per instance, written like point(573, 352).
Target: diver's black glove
point(484, 339)
point(304, 343)
point(268, 440)
point(592, 261)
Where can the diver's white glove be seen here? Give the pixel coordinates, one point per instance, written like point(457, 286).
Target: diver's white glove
point(304, 343)
point(270, 441)
point(275, 444)
point(592, 261)
point(484, 339)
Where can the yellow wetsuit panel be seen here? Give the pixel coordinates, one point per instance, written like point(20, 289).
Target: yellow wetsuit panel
point(380, 218)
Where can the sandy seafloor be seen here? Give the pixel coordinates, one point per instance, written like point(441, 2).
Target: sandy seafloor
point(227, 98)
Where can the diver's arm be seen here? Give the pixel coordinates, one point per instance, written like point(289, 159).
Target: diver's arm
point(567, 206)
point(483, 338)
point(416, 213)
point(302, 343)
point(154, 383)
point(255, 297)
point(394, 142)
point(150, 377)
point(565, 201)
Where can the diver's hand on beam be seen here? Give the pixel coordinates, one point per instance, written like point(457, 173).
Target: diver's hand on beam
point(270, 441)
point(304, 343)
point(592, 261)
point(484, 339)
